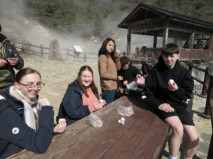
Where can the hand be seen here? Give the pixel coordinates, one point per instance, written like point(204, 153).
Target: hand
point(120, 78)
point(117, 54)
point(43, 102)
point(121, 90)
point(100, 105)
point(125, 82)
point(166, 107)
point(172, 86)
point(2, 62)
point(13, 60)
point(140, 80)
point(61, 126)
point(145, 76)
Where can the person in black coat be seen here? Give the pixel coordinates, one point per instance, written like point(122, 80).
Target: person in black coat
point(126, 74)
point(168, 88)
point(25, 121)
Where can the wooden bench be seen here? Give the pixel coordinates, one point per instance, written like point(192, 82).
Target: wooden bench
point(210, 153)
point(141, 137)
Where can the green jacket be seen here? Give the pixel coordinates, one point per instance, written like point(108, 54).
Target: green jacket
point(7, 73)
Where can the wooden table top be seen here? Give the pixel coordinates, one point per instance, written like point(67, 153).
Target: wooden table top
point(142, 136)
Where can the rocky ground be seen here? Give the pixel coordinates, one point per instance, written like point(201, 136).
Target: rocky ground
point(204, 129)
point(58, 74)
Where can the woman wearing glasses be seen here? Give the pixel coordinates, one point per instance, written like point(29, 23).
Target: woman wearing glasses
point(25, 121)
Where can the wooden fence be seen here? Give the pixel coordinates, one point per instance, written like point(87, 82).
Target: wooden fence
point(147, 54)
point(67, 53)
point(207, 87)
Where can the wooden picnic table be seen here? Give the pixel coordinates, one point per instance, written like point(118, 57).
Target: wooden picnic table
point(141, 137)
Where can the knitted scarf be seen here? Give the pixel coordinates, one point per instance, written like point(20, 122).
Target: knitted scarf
point(31, 108)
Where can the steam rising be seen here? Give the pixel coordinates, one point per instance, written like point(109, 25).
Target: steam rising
point(17, 25)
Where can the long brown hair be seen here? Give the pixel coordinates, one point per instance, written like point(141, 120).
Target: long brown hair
point(92, 85)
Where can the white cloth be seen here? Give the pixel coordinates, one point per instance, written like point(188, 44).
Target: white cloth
point(30, 112)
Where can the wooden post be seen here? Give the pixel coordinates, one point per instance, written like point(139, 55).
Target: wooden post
point(191, 43)
point(85, 57)
point(165, 36)
point(207, 113)
point(68, 53)
point(208, 73)
point(155, 42)
point(190, 67)
point(210, 49)
point(128, 42)
point(42, 50)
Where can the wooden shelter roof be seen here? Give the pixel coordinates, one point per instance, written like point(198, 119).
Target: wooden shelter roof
point(143, 12)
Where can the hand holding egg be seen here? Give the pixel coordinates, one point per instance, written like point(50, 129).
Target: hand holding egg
point(117, 54)
point(172, 86)
point(171, 81)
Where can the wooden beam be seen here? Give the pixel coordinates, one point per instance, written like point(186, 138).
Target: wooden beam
point(191, 41)
point(155, 41)
point(128, 42)
point(211, 49)
point(160, 19)
point(165, 36)
point(144, 31)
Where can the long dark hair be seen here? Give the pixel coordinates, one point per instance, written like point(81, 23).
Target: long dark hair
point(92, 85)
point(25, 71)
point(103, 50)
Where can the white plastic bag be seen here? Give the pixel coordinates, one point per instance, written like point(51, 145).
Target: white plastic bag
point(95, 120)
point(125, 111)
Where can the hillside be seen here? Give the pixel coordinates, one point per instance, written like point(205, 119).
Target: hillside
point(94, 16)
point(85, 23)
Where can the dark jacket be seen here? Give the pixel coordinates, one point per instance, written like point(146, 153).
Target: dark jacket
point(71, 107)
point(157, 85)
point(15, 135)
point(7, 80)
point(129, 75)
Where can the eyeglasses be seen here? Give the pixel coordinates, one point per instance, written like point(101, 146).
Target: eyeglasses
point(38, 85)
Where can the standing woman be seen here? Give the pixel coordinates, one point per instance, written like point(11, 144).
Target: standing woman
point(81, 97)
point(25, 121)
point(108, 64)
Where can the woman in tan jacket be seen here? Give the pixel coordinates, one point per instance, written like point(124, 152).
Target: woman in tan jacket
point(108, 64)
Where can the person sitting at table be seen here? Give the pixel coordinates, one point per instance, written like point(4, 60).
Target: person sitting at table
point(81, 97)
point(168, 87)
point(25, 121)
point(127, 74)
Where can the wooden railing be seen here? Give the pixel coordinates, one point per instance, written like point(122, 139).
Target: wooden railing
point(207, 87)
point(147, 54)
point(67, 53)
